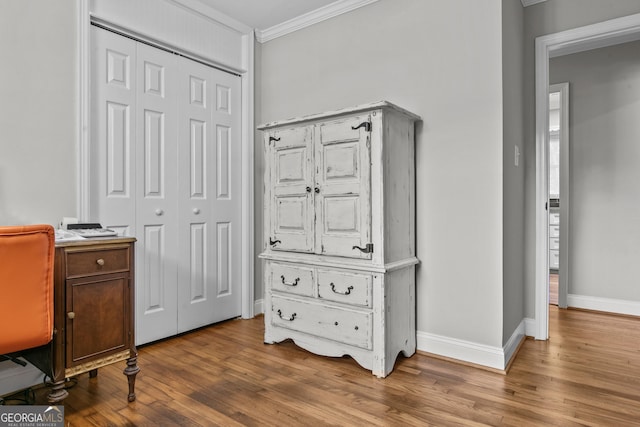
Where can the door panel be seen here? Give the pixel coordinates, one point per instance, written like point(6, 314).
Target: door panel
point(343, 178)
point(209, 201)
point(112, 148)
point(292, 190)
point(99, 325)
point(155, 175)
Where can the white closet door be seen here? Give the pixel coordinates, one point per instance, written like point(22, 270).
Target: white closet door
point(166, 168)
point(209, 201)
point(156, 178)
point(113, 94)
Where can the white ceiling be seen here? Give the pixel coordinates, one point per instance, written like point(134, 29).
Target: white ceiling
point(263, 14)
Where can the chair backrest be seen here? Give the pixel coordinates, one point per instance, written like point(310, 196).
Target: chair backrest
point(26, 286)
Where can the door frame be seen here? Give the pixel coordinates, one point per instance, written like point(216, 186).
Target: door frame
point(602, 34)
point(246, 73)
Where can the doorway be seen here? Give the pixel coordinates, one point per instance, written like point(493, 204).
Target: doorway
point(558, 206)
point(580, 39)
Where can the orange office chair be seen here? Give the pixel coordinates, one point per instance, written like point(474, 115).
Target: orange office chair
point(26, 294)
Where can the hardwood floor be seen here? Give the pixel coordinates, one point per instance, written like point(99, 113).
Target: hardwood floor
point(588, 373)
point(553, 288)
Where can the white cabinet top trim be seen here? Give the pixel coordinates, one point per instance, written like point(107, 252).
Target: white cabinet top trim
point(357, 109)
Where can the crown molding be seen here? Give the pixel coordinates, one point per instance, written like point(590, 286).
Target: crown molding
point(321, 14)
point(211, 14)
point(526, 3)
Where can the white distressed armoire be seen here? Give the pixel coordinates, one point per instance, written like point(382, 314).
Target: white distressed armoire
point(339, 224)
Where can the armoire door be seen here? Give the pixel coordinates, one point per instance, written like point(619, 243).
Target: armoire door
point(209, 203)
point(293, 189)
point(343, 208)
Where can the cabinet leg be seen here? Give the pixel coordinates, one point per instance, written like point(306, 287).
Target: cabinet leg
point(131, 371)
point(93, 373)
point(57, 392)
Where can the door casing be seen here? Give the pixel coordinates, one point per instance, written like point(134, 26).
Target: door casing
point(602, 34)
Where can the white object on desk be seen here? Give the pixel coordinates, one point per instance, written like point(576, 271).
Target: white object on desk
point(67, 236)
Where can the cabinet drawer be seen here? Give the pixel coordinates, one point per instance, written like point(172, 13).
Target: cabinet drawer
point(291, 279)
point(554, 243)
point(101, 261)
point(554, 231)
point(348, 288)
point(347, 326)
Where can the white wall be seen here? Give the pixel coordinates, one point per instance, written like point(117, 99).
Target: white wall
point(443, 61)
point(604, 106)
point(513, 181)
point(38, 143)
point(550, 17)
point(38, 110)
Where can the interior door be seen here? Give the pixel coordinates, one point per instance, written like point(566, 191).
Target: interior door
point(293, 189)
point(209, 202)
point(343, 168)
point(156, 177)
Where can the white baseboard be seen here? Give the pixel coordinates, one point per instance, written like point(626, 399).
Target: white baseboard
point(529, 327)
point(14, 377)
point(604, 304)
point(467, 351)
point(258, 307)
point(516, 338)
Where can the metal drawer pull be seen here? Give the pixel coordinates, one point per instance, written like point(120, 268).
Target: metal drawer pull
point(308, 189)
point(273, 242)
point(273, 138)
point(290, 319)
point(294, 283)
point(100, 261)
point(71, 315)
point(347, 292)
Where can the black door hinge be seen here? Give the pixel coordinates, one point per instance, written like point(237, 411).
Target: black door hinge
point(366, 125)
point(368, 248)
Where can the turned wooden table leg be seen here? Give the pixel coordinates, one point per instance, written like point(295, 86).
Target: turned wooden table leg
point(131, 371)
point(57, 392)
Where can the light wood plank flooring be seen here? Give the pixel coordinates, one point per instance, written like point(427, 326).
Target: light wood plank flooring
point(588, 373)
point(553, 288)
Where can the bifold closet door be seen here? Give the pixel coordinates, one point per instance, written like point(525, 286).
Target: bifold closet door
point(165, 168)
point(209, 202)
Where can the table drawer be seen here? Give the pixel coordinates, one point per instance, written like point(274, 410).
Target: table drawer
point(99, 261)
point(291, 279)
point(348, 288)
point(347, 326)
